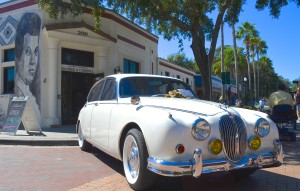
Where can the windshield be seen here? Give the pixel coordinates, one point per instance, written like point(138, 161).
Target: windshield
point(153, 86)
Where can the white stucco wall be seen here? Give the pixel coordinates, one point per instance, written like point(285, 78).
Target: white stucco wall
point(139, 46)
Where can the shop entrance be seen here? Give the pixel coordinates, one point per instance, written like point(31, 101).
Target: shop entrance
point(75, 88)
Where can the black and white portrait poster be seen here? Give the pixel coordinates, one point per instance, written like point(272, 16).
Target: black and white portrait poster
point(27, 59)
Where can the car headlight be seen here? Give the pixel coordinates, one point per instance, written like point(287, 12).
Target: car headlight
point(262, 127)
point(201, 129)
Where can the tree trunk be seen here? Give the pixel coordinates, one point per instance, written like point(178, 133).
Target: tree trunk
point(248, 63)
point(258, 77)
point(235, 60)
point(222, 58)
point(254, 77)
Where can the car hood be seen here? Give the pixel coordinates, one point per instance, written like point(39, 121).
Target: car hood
point(196, 106)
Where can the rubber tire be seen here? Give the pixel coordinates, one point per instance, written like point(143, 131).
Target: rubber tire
point(145, 178)
point(243, 173)
point(83, 144)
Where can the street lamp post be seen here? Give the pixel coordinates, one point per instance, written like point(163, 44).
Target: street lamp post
point(245, 83)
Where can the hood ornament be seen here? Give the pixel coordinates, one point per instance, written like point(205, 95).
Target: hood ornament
point(223, 106)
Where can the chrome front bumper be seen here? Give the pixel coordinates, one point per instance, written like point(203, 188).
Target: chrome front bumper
point(196, 166)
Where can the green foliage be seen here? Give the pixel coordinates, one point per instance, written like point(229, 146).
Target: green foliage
point(274, 5)
point(229, 62)
point(58, 9)
point(195, 20)
point(180, 59)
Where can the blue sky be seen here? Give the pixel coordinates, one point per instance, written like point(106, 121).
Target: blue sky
point(282, 37)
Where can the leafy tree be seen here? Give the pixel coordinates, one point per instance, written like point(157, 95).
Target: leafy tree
point(269, 77)
point(186, 19)
point(229, 63)
point(180, 59)
point(274, 5)
point(197, 21)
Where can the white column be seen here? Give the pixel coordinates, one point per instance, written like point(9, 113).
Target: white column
point(52, 83)
point(101, 63)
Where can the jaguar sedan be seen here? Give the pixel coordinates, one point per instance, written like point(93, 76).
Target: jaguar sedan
point(158, 127)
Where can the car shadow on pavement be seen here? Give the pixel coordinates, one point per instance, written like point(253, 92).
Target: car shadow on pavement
point(285, 177)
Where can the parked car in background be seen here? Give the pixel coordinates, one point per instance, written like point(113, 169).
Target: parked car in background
point(157, 126)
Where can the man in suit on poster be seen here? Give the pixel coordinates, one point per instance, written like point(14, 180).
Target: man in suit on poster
point(27, 79)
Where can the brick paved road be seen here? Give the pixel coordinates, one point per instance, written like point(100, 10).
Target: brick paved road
point(68, 168)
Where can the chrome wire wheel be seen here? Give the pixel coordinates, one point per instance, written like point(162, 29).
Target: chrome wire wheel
point(131, 159)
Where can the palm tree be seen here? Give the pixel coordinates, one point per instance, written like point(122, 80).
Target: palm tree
point(232, 17)
point(235, 59)
point(246, 32)
point(254, 41)
point(260, 50)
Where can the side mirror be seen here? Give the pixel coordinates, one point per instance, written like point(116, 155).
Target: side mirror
point(135, 100)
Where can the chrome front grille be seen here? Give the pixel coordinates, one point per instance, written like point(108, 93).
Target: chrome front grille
point(234, 136)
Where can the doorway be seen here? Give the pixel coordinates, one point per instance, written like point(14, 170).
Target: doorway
point(75, 88)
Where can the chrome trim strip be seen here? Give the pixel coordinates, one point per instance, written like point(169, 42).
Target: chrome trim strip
point(197, 166)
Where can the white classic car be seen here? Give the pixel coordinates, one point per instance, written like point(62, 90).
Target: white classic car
point(157, 126)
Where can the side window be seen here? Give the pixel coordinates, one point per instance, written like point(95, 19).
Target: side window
point(95, 92)
point(109, 91)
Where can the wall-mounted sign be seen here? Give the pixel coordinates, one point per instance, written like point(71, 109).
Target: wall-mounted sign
point(81, 69)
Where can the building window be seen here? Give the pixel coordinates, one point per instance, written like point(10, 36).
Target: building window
point(187, 81)
point(77, 57)
point(9, 80)
point(178, 76)
point(9, 55)
point(130, 67)
point(167, 73)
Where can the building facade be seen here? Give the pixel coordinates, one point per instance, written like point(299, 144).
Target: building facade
point(69, 57)
point(166, 68)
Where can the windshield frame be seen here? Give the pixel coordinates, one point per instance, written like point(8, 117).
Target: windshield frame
point(142, 86)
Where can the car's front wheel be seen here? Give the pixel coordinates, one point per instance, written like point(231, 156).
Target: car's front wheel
point(135, 161)
point(83, 144)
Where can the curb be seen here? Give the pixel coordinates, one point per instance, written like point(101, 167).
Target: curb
point(39, 142)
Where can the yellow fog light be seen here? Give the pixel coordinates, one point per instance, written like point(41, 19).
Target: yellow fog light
point(215, 146)
point(254, 143)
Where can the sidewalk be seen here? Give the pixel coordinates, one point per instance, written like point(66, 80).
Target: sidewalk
point(59, 136)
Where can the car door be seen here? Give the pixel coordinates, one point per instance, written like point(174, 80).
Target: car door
point(87, 110)
point(100, 122)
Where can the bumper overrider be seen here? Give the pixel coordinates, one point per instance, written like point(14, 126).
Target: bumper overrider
point(196, 166)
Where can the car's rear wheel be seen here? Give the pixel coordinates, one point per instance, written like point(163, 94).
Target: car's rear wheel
point(135, 161)
point(83, 144)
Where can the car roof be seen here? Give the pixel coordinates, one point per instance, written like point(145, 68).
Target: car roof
point(120, 76)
